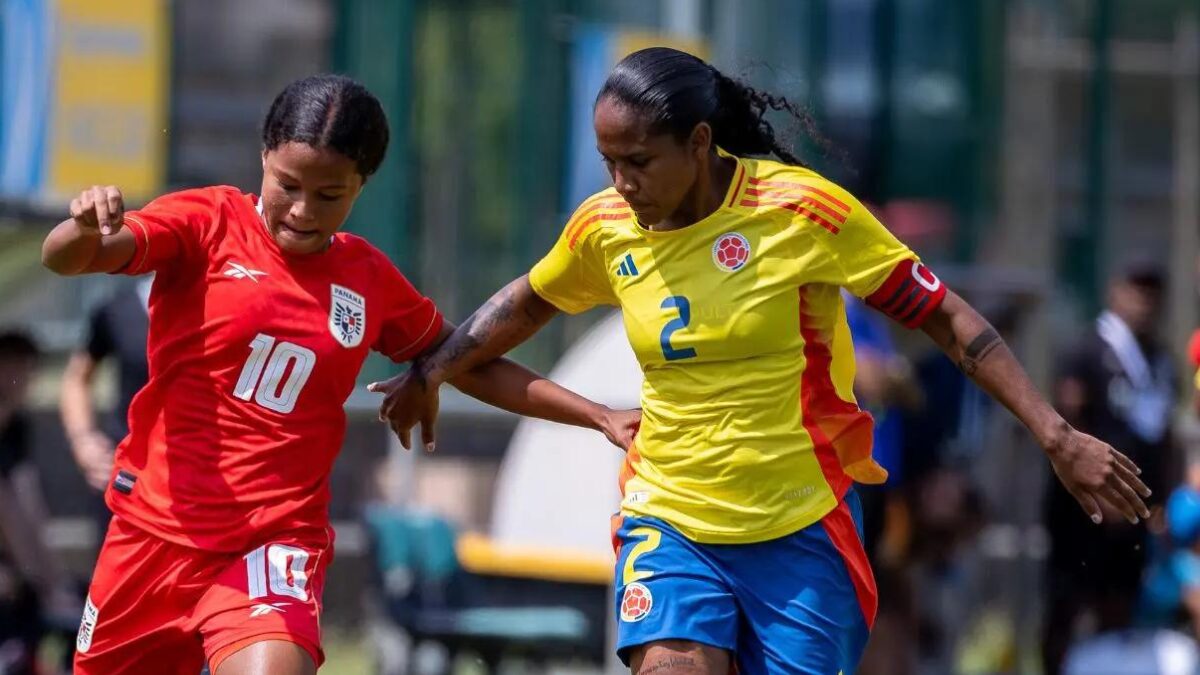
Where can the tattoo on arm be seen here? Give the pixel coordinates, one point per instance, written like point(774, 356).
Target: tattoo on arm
point(979, 349)
point(500, 324)
point(667, 664)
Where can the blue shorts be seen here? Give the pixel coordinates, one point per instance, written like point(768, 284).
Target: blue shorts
point(803, 603)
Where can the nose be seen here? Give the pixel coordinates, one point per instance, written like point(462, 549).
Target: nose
point(299, 210)
point(625, 186)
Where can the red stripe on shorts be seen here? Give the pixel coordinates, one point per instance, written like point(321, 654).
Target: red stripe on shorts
point(839, 525)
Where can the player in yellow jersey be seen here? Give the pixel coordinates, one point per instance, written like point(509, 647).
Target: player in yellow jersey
point(739, 533)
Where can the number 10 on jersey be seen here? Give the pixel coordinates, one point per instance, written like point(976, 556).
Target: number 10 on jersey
point(274, 374)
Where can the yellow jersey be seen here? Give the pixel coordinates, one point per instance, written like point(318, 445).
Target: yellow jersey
point(750, 428)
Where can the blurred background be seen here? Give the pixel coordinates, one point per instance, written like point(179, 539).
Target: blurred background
point(1042, 155)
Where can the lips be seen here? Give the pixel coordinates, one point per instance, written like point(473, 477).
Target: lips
point(295, 232)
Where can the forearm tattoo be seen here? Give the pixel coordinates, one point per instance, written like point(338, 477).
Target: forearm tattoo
point(979, 349)
point(502, 323)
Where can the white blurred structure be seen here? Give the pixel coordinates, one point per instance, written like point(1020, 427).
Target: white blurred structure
point(557, 486)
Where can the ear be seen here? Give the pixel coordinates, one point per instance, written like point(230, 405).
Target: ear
point(264, 159)
point(700, 142)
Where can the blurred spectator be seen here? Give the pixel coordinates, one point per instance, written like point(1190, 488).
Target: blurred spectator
point(117, 330)
point(35, 592)
point(1171, 593)
point(1119, 385)
point(943, 441)
point(1170, 600)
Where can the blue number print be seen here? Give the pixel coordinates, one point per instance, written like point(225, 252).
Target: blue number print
point(685, 317)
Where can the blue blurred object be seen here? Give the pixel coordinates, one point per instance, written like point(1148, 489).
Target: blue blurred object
point(1183, 516)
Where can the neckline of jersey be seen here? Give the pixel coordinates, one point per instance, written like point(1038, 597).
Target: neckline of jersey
point(265, 231)
point(736, 185)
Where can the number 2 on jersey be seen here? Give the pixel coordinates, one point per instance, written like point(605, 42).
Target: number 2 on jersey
point(271, 390)
point(677, 324)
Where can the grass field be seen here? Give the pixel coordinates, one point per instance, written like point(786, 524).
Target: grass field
point(346, 655)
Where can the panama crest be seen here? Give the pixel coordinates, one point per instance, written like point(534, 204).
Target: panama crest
point(347, 316)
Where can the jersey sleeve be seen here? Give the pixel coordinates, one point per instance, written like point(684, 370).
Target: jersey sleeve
point(410, 320)
point(572, 276)
point(869, 261)
point(171, 230)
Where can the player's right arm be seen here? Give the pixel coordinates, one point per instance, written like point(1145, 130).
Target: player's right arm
point(93, 238)
point(570, 278)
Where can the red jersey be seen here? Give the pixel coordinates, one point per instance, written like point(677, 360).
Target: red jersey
point(252, 354)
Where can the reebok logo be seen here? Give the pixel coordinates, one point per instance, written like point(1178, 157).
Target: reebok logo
point(262, 609)
point(237, 271)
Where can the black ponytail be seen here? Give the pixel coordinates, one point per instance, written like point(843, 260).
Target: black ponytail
point(679, 91)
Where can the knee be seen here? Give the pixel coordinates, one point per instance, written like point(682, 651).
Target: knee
point(678, 657)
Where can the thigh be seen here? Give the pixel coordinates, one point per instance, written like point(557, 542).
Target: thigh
point(808, 600)
point(668, 590)
point(678, 657)
point(135, 619)
point(271, 594)
point(271, 657)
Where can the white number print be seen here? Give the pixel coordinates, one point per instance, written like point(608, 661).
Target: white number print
point(272, 390)
point(282, 567)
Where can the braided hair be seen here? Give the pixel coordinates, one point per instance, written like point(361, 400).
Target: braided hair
point(330, 111)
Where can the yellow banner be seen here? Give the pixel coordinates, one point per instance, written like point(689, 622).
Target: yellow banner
point(110, 96)
point(630, 41)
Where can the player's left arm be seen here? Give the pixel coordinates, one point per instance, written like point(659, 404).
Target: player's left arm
point(1089, 468)
point(504, 384)
point(480, 371)
point(510, 386)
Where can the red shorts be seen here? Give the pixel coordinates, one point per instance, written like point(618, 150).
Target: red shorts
point(157, 607)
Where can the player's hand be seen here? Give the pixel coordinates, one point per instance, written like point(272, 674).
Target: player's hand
point(99, 209)
point(620, 427)
point(1095, 473)
point(93, 452)
point(407, 401)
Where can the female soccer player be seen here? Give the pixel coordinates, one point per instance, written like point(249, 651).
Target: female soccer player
point(261, 315)
point(739, 534)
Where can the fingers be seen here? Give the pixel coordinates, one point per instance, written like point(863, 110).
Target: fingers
point(1128, 496)
point(87, 209)
point(100, 203)
point(1131, 479)
point(101, 208)
point(1126, 463)
point(428, 420)
point(1119, 502)
point(116, 205)
point(1090, 505)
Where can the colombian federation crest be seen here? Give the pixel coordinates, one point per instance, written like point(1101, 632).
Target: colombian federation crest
point(347, 316)
point(636, 603)
point(730, 252)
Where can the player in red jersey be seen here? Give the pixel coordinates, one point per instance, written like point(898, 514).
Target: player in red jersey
point(261, 315)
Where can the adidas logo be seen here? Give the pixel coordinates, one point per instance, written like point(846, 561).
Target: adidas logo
point(241, 272)
point(627, 268)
